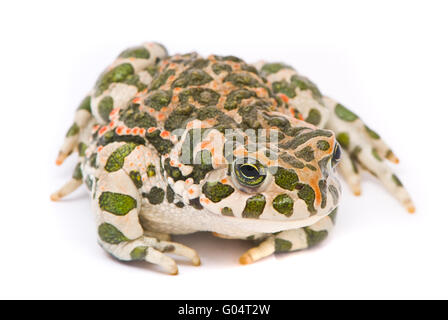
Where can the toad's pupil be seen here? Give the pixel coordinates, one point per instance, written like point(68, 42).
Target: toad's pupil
point(249, 171)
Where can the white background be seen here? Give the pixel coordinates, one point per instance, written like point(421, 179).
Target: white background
point(386, 60)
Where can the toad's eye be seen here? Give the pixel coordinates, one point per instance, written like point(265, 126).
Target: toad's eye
point(249, 172)
point(336, 155)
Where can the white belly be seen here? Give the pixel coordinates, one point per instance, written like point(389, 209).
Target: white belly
point(168, 218)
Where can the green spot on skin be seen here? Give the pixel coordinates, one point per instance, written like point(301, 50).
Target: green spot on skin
point(221, 67)
point(270, 68)
point(286, 178)
point(85, 104)
point(196, 203)
point(226, 211)
point(323, 192)
point(117, 203)
point(306, 154)
point(345, 114)
point(289, 159)
point(133, 117)
point(254, 207)
point(216, 191)
point(139, 253)
point(118, 74)
point(159, 99)
point(343, 139)
point(396, 181)
point(315, 237)
point(162, 146)
point(77, 173)
point(333, 215)
point(323, 145)
point(74, 130)
point(135, 52)
point(179, 204)
point(151, 171)
point(282, 245)
point(306, 84)
point(105, 106)
point(161, 79)
point(82, 147)
point(110, 234)
point(306, 193)
point(304, 137)
point(192, 77)
point(376, 155)
point(284, 87)
point(169, 194)
point(283, 204)
point(334, 193)
point(152, 70)
point(136, 178)
point(204, 96)
point(372, 134)
point(116, 159)
point(242, 80)
point(314, 117)
point(155, 195)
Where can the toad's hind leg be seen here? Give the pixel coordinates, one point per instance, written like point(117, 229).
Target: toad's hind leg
point(365, 149)
point(82, 117)
point(291, 240)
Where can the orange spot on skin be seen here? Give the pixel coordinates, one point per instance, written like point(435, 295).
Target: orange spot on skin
point(176, 90)
point(128, 131)
point(171, 78)
point(224, 180)
point(141, 131)
point(291, 110)
point(190, 191)
point(114, 111)
point(135, 131)
point(172, 163)
point(165, 134)
point(152, 129)
point(283, 97)
point(99, 149)
point(205, 144)
point(175, 99)
point(301, 117)
point(119, 130)
point(102, 131)
point(143, 91)
point(136, 100)
point(151, 110)
point(161, 116)
point(111, 124)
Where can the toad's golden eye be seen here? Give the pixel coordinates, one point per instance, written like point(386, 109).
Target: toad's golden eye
point(249, 172)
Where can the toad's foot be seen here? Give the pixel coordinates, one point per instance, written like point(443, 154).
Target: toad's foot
point(366, 149)
point(291, 240)
point(152, 250)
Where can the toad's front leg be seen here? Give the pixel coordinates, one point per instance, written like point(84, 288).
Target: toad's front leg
point(366, 149)
point(291, 240)
point(117, 203)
